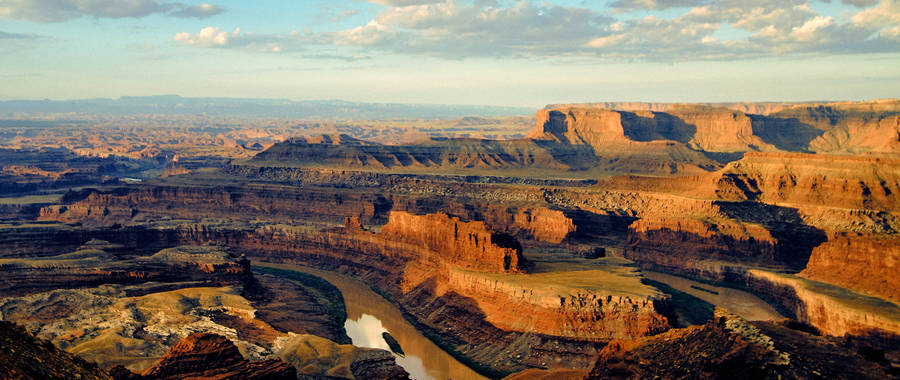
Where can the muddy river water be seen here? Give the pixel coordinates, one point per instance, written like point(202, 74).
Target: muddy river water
point(369, 315)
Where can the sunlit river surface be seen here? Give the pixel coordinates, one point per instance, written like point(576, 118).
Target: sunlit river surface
point(369, 315)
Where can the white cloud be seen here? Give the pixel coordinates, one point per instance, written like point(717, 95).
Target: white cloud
point(809, 30)
point(214, 37)
point(61, 10)
point(717, 29)
point(403, 3)
point(208, 37)
point(655, 4)
point(198, 11)
point(884, 19)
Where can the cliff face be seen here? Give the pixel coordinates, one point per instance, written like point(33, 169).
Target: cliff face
point(861, 262)
point(850, 128)
point(457, 257)
point(284, 205)
point(205, 355)
point(122, 205)
point(544, 224)
point(701, 239)
point(806, 179)
point(701, 128)
point(468, 245)
point(718, 130)
point(433, 153)
point(576, 126)
point(830, 309)
point(527, 305)
point(462, 282)
point(837, 128)
point(831, 216)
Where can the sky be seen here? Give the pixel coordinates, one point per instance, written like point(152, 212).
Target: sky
point(490, 52)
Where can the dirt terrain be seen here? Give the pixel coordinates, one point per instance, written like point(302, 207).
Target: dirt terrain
point(521, 254)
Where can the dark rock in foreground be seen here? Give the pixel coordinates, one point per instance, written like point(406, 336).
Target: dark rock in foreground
point(22, 356)
point(205, 355)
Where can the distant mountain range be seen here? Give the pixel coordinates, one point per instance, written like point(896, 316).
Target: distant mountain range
point(257, 107)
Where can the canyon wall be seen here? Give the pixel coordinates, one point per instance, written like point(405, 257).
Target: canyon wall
point(526, 305)
point(820, 180)
point(830, 309)
point(413, 251)
point(470, 245)
point(836, 128)
point(459, 275)
point(863, 262)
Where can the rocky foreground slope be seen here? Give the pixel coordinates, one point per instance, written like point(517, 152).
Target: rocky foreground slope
point(27, 357)
point(731, 348)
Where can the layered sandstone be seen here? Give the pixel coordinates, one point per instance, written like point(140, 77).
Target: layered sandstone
point(278, 203)
point(433, 153)
point(559, 305)
point(205, 355)
point(406, 261)
point(97, 263)
point(862, 262)
point(470, 245)
point(544, 224)
point(837, 128)
point(806, 179)
point(578, 126)
point(850, 128)
point(701, 128)
point(830, 309)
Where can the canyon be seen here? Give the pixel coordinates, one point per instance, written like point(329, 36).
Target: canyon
point(524, 254)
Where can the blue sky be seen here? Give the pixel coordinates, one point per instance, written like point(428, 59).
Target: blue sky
point(497, 52)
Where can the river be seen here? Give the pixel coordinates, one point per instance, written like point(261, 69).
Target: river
point(369, 315)
point(741, 303)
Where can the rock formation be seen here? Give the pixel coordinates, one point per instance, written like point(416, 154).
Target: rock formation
point(317, 357)
point(832, 310)
point(837, 128)
point(863, 262)
point(97, 263)
point(488, 244)
point(204, 355)
point(470, 245)
point(730, 348)
point(25, 357)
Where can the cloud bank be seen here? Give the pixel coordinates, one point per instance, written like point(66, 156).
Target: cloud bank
point(45, 11)
point(702, 30)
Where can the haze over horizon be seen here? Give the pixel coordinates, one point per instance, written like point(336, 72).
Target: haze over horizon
point(490, 52)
